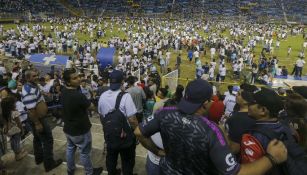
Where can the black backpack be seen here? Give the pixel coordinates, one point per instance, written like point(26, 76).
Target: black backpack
point(117, 132)
point(296, 163)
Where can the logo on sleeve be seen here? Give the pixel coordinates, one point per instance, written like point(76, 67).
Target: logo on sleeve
point(230, 160)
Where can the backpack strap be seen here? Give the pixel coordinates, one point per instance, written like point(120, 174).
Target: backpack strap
point(118, 99)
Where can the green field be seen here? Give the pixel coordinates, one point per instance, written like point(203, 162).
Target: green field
point(187, 69)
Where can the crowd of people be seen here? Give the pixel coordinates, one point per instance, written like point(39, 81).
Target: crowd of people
point(195, 130)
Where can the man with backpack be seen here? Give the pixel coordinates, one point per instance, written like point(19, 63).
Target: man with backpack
point(117, 113)
point(264, 107)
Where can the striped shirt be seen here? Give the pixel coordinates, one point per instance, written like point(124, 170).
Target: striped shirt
point(31, 95)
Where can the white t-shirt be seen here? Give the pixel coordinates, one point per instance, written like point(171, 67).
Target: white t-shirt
point(211, 72)
point(156, 138)
point(20, 107)
point(107, 103)
point(300, 63)
point(223, 71)
point(196, 54)
point(229, 102)
point(68, 64)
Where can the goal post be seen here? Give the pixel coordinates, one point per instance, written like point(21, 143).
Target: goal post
point(171, 79)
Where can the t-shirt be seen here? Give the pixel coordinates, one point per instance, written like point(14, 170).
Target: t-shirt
point(75, 104)
point(193, 145)
point(229, 102)
point(107, 102)
point(300, 63)
point(138, 95)
point(31, 95)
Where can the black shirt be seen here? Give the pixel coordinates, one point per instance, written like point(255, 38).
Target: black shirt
point(75, 104)
point(193, 145)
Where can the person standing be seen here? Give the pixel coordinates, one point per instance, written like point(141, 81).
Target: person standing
point(37, 108)
point(106, 105)
point(299, 66)
point(138, 96)
point(77, 126)
point(178, 63)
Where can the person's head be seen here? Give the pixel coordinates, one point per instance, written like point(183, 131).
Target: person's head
point(31, 76)
point(116, 80)
point(83, 83)
point(235, 127)
point(47, 77)
point(179, 92)
point(162, 93)
point(149, 93)
point(229, 87)
point(71, 78)
point(296, 105)
point(8, 105)
point(235, 90)
point(19, 86)
point(302, 90)
point(197, 98)
point(281, 91)
point(131, 80)
point(265, 104)
point(243, 97)
point(42, 81)
point(4, 92)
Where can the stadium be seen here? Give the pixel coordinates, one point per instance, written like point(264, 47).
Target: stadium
point(64, 62)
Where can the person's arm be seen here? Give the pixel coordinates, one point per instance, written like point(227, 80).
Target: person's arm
point(34, 117)
point(85, 103)
point(148, 143)
point(278, 153)
point(133, 122)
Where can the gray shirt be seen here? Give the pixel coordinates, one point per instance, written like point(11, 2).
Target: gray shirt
point(138, 96)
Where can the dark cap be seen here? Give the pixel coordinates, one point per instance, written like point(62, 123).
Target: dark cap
point(267, 98)
point(116, 78)
point(247, 96)
point(237, 125)
point(197, 92)
point(302, 90)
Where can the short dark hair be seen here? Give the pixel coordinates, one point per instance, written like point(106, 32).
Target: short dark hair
point(164, 91)
point(67, 73)
point(131, 80)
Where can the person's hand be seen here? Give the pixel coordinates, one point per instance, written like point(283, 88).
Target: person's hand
point(161, 153)
point(278, 150)
point(38, 127)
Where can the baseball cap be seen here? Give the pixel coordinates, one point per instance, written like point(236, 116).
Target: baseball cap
point(235, 90)
point(267, 98)
point(116, 78)
point(302, 90)
point(197, 92)
point(247, 96)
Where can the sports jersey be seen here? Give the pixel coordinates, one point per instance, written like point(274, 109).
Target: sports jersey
point(193, 144)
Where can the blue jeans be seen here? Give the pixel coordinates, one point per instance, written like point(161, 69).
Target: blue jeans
point(151, 168)
point(84, 143)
